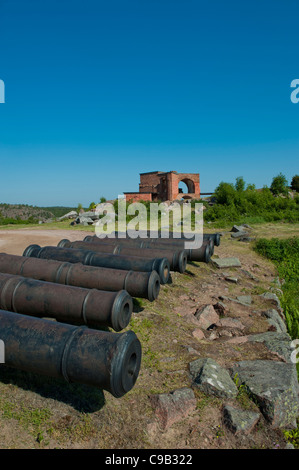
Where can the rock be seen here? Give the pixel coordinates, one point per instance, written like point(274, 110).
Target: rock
point(69, 215)
point(245, 238)
point(239, 234)
point(220, 308)
point(223, 297)
point(237, 228)
point(198, 333)
point(85, 220)
point(250, 275)
point(273, 297)
point(238, 340)
point(232, 279)
point(226, 262)
point(240, 421)
point(275, 320)
point(274, 387)
point(174, 406)
point(212, 379)
point(206, 316)
point(289, 445)
point(278, 343)
point(245, 299)
point(231, 323)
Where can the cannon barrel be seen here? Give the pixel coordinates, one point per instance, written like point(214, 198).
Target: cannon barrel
point(194, 254)
point(177, 257)
point(137, 284)
point(77, 354)
point(105, 260)
point(178, 235)
point(68, 304)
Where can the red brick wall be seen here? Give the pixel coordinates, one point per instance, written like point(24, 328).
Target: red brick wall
point(136, 197)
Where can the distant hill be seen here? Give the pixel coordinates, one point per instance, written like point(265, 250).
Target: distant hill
point(23, 213)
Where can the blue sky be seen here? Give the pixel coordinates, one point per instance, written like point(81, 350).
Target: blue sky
point(99, 91)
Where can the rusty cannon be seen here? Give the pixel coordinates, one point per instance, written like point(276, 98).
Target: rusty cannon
point(77, 354)
point(137, 284)
point(67, 304)
point(202, 253)
point(105, 260)
point(177, 258)
point(176, 235)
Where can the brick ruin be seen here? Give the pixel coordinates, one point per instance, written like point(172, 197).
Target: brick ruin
point(164, 186)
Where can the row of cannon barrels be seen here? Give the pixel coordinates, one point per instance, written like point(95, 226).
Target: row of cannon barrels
point(86, 286)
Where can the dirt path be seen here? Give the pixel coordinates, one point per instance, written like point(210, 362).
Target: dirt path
point(15, 241)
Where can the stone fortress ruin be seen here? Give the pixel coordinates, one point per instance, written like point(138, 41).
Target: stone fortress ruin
point(166, 186)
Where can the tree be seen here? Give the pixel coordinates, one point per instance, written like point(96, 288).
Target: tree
point(225, 193)
point(240, 184)
point(102, 199)
point(295, 183)
point(279, 184)
point(92, 205)
point(79, 208)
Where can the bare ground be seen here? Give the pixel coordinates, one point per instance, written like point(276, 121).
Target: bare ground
point(39, 412)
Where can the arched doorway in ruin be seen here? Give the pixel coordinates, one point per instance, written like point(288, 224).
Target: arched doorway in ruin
point(186, 186)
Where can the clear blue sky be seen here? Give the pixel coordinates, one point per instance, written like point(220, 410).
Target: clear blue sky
point(100, 91)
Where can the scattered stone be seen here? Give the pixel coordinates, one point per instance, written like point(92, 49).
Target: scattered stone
point(220, 308)
point(232, 279)
point(238, 340)
point(206, 316)
point(223, 297)
point(174, 406)
point(245, 299)
point(69, 215)
point(250, 275)
point(278, 343)
point(198, 333)
point(226, 262)
point(274, 387)
point(273, 297)
point(214, 335)
point(289, 445)
point(274, 319)
point(212, 379)
point(240, 421)
point(245, 238)
point(231, 323)
point(239, 234)
point(237, 228)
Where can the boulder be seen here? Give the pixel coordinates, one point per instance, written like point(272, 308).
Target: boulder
point(212, 379)
point(278, 343)
point(240, 421)
point(274, 319)
point(245, 299)
point(206, 316)
point(274, 387)
point(69, 215)
point(174, 406)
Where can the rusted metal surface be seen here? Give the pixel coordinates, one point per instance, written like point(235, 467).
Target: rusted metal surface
point(137, 284)
point(177, 257)
point(105, 260)
point(103, 359)
point(68, 304)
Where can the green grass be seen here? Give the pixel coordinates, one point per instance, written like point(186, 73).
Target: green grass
point(285, 254)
